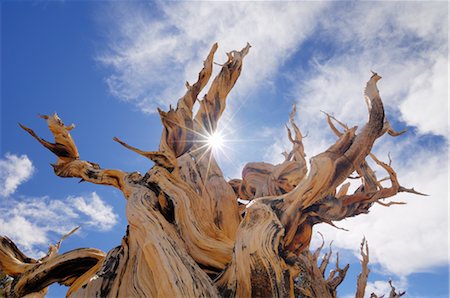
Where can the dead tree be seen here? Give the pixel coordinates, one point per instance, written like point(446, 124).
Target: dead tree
point(187, 236)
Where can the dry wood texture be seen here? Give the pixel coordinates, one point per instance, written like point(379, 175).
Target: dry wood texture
point(187, 235)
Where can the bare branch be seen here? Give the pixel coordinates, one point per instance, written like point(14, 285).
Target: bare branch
point(160, 158)
point(63, 268)
point(343, 190)
point(411, 190)
point(298, 151)
point(325, 261)
point(333, 127)
point(363, 276)
point(390, 203)
point(319, 249)
point(213, 104)
point(68, 163)
point(388, 128)
point(334, 281)
point(12, 260)
point(53, 250)
point(178, 134)
point(34, 276)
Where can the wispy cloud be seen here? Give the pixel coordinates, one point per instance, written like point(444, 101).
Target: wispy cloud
point(151, 55)
point(100, 214)
point(33, 223)
point(14, 170)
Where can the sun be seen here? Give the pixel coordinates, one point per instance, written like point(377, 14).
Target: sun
point(215, 141)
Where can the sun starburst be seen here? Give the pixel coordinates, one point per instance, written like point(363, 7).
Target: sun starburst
point(215, 141)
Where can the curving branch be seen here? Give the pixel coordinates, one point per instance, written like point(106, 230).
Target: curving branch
point(343, 205)
point(178, 135)
point(68, 163)
point(328, 170)
point(160, 158)
point(31, 276)
point(333, 127)
point(314, 199)
point(214, 102)
point(298, 151)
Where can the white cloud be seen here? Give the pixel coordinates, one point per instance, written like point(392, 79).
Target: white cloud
point(14, 170)
point(25, 233)
point(33, 223)
point(426, 101)
point(101, 215)
point(411, 58)
point(148, 53)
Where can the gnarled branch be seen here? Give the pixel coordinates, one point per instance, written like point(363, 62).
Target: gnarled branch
point(68, 163)
point(34, 276)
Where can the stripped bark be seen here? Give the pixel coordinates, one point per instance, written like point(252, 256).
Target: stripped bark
point(187, 235)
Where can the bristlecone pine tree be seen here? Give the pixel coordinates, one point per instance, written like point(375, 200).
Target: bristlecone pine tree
point(188, 236)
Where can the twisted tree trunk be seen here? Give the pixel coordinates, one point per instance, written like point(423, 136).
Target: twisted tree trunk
point(187, 235)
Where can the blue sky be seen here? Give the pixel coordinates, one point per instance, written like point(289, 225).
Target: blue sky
point(106, 66)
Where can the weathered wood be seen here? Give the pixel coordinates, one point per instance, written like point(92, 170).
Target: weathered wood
point(362, 277)
point(32, 277)
point(187, 234)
